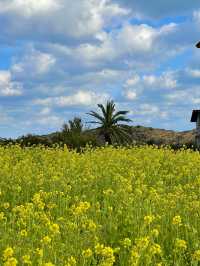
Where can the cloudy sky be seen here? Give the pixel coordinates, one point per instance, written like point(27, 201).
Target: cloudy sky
point(59, 58)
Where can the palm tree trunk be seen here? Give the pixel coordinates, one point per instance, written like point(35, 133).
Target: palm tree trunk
point(108, 138)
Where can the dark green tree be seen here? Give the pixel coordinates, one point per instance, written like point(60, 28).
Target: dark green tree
point(74, 126)
point(75, 136)
point(110, 126)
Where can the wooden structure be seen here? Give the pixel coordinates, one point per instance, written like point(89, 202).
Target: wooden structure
point(196, 118)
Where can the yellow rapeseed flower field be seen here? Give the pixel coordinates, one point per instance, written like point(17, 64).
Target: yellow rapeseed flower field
point(107, 206)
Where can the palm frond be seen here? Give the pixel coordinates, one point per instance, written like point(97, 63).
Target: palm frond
point(93, 122)
point(96, 115)
point(110, 109)
point(120, 113)
point(102, 109)
point(124, 134)
point(121, 119)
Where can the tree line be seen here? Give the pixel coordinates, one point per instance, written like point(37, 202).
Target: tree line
point(111, 128)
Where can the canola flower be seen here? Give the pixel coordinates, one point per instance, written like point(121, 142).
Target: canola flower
point(87, 253)
point(107, 206)
point(196, 255)
point(23, 233)
point(126, 243)
point(11, 262)
point(27, 260)
point(180, 244)
point(155, 232)
point(148, 219)
point(156, 249)
point(46, 240)
point(177, 220)
point(54, 228)
point(71, 261)
point(6, 205)
point(2, 216)
point(7, 253)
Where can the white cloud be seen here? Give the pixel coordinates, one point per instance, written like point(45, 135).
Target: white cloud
point(7, 86)
point(179, 96)
point(149, 109)
point(58, 19)
point(80, 98)
point(130, 94)
point(28, 7)
point(45, 111)
point(136, 38)
point(103, 77)
point(166, 80)
point(196, 100)
point(195, 73)
point(130, 42)
point(196, 16)
point(147, 112)
point(35, 63)
point(136, 85)
point(133, 81)
point(132, 87)
point(50, 120)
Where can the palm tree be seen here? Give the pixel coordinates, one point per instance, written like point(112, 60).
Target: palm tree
point(73, 126)
point(109, 121)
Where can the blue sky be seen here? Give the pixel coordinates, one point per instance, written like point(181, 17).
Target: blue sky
point(59, 58)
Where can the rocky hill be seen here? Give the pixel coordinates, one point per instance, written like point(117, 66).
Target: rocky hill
point(151, 135)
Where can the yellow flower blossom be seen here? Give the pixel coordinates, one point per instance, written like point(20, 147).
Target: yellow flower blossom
point(6, 205)
point(27, 259)
point(148, 219)
point(126, 242)
point(71, 261)
point(55, 228)
point(107, 252)
point(99, 248)
point(23, 233)
point(2, 216)
point(11, 262)
point(196, 255)
point(46, 240)
point(142, 243)
point(108, 192)
point(87, 253)
point(177, 220)
point(180, 244)
point(155, 249)
point(7, 253)
point(81, 208)
point(134, 256)
point(155, 232)
point(39, 252)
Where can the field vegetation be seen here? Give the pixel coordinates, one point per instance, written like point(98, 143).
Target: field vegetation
point(105, 206)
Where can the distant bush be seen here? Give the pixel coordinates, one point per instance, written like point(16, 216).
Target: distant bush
point(31, 140)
